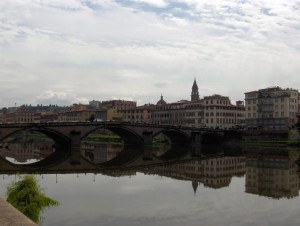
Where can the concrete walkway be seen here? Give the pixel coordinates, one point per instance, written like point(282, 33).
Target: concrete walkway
point(10, 216)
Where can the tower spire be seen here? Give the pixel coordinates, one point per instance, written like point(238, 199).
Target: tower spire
point(195, 92)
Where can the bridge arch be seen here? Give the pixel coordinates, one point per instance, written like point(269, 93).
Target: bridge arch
point(175, 136)
point(129, 136)
point(56, 136)
point(174, 152)
point(212, 137)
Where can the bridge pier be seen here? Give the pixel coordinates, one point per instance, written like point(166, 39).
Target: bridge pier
point(196, 143)
point(196, 151)
point(148, 138)
point(196, 138)
point(147, 155)
point(75, 146)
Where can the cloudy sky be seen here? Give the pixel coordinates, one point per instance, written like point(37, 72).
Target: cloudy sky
point(71, 51)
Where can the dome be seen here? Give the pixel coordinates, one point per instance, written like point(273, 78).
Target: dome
point(161, 101)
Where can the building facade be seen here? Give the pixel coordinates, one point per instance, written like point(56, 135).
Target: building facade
point(184, 113)
point(19, 116)
point(219, 113)
point(214, 111)
point(76, 116)
point(272, 108)
point(118, 104)
point(141, 114)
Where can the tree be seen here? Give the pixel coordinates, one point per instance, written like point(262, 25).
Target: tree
point(294, 137)
point(27, 196)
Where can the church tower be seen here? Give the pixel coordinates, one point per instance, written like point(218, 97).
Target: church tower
point(195, 92)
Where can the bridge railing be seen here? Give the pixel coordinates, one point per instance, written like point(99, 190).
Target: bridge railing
point(104, 123)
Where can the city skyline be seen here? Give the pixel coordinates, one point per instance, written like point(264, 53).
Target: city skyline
point(71, 51)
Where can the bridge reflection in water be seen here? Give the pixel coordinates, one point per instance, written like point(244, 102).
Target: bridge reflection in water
point(272, 174)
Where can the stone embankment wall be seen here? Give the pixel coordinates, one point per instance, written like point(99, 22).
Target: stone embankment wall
point(9, 216)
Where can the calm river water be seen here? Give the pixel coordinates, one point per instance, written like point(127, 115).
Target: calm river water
point(245, 187)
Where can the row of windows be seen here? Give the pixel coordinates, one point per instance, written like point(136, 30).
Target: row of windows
point(271, 115)
point(223, 121)
point(270, 108)
point(228, 108)
point(225, 102)
point(136, 117)
point(271, 100)
point(136, 111)
point(229, 114)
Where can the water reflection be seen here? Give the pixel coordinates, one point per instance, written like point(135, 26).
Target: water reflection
point(213, 172)
point(272, 175)
point(25, 152)
point(99, 153)
point(268, 172)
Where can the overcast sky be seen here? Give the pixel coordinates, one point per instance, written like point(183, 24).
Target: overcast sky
point(71, 51)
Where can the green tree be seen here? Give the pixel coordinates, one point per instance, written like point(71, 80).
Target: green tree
point(27, 196)
point(294, 137)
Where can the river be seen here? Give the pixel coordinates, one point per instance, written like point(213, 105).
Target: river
point(251, 186)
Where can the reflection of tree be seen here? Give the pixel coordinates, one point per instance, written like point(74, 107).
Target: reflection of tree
point(27, 196)
point(293, 154)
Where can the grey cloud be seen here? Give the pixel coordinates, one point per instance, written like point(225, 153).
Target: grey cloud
point(109, 49)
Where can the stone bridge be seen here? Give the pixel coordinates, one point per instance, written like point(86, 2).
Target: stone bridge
point(68, 135)
point(132, 134)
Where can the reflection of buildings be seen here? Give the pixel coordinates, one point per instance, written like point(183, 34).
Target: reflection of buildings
point(23, 151)
point(100, 153)
point(272, 176)
point(214, 172)
point(120, 173)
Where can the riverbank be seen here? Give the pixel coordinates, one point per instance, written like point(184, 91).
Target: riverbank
point(11, 216)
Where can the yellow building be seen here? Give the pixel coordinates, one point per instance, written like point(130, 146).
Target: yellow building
point(272, 108)
point(114, 114)
point(141, 114)
point(76, 116)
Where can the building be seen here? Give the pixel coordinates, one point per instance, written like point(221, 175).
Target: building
point(101, 115)
point(95, 104)
point(118, 104)
point(220, 113)
point(185, 113)
point(19, 116)
point(272, 108)
point(45, 118)
point(76, 116)
point(115, 108)
point(141, 114)
point(214, 111)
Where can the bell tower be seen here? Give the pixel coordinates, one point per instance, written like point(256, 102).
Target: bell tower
point(195, 92)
